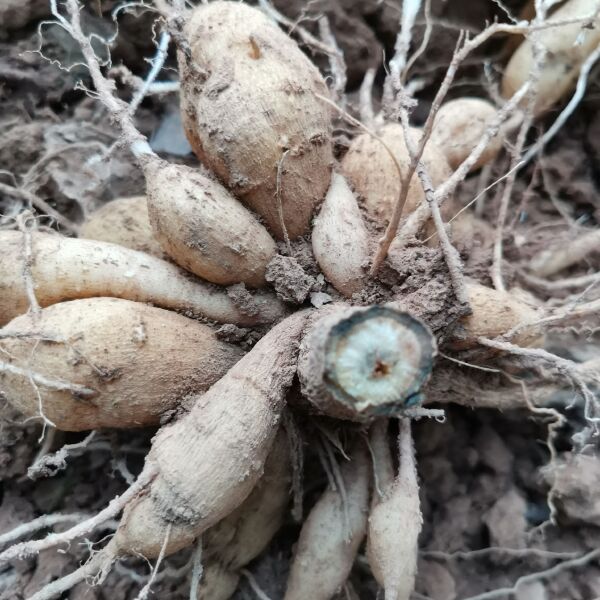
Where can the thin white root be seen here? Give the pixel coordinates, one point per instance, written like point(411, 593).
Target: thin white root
point(96, 567)
point(143, 594)
point(197, 569)
point(116, 505)
point(43, 522)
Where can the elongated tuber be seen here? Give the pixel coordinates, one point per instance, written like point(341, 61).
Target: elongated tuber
point(256, 120)
point(123, 221)
point(360, 363)
point(127, 355)
point(394, 526)
point(332, 534)
point(203, 228)
point(340, 239)
point(65, 268)
point(567, 47)
point(458, 127)
point(209, 461)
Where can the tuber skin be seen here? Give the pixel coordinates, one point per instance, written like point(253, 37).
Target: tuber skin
point(394, 526)
point(495, 313)
point(340, 240)
point(137, 362)
point(567, 47)
point(217, 583)
point(361, 363)
point(458, 127)
point(242, 535)
point(256, 113)
point(203, 228)
point(331, 535)
point(65, 268)
point(210, 459)
point(370, 170)
point(123, 221)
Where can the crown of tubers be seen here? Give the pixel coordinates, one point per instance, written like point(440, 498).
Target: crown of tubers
point(88, 341)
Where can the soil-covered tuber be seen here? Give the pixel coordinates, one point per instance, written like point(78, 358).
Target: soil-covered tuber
point(332, 534)
point(459, 125)
point(203, 228)
point(340, 239)
point(123, 221)
point(59, 268)
point(108, 362)
point(566, 48)
point(256, 120)
point(374, 176)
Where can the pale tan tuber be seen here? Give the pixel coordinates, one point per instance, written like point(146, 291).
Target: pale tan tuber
point(108, 362)
point(394, 526)
point(340, 240)
point(332, 534)
point(494, 314)
point(372, 172)
point(64, 269)
point(256, 120)
point(123, 221)
point(567, 47)
point(203, 228)
point(459, 125)
point(210, 460)
point(243, 534)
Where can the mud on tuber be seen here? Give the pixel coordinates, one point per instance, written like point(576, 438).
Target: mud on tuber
point(285, 307)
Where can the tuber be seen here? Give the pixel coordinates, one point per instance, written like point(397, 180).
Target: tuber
point(331, 534)
point(65, 268)
point(374, 176)
point(123, 221)
point(394, 526)
point(256, 120)
point(108, 362)
point(360, 363)
point(459, 125)
point(567, 47)
point(210, 459)
point(203, 228)
point(340, 239)
point(495, 313)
